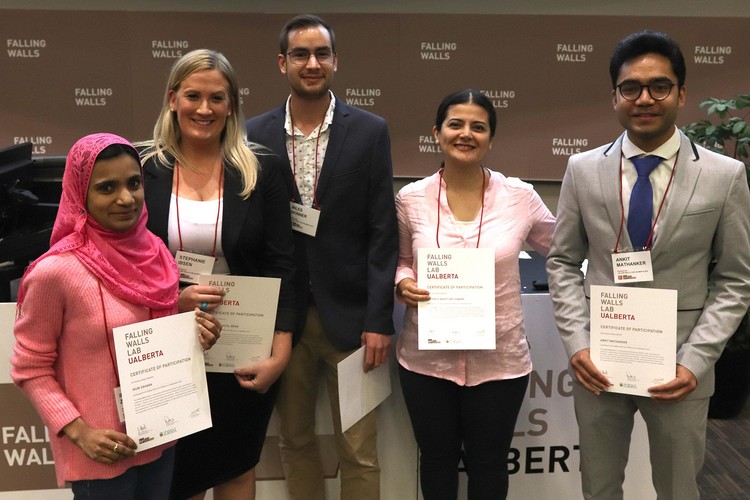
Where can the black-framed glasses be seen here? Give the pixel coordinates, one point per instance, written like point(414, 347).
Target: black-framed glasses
point(299, 57)
point(631, 91)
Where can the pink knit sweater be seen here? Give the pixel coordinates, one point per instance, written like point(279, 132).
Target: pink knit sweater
point(64, 360)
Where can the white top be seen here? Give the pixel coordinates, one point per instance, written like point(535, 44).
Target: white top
point(197, 225)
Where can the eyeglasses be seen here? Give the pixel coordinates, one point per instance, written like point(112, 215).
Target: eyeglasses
point(631, 91)
point(299, 57)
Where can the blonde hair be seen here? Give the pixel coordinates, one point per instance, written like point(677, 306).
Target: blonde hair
point(235, 151)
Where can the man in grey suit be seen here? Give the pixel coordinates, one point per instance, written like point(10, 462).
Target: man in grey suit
point(697, 214)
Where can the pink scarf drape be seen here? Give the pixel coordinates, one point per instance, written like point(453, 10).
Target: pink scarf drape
point(134, 265)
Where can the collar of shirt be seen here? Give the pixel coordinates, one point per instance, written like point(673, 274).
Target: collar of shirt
point(661, 174)
point(327, 119)
point(666, 150)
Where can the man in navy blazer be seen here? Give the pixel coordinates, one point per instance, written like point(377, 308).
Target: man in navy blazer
point(337, 168)
point(700, 208)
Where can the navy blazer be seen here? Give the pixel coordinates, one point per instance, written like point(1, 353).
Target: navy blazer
point(350, 264)
point(255, 233)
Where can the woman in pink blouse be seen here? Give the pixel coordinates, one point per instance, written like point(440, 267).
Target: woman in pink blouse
point(467, 399)
point(104, 270)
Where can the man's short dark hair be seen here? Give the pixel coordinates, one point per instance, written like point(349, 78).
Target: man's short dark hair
point(300, 22)
point(647, 42)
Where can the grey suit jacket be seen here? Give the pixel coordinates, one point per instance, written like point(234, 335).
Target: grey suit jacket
point(707, 218)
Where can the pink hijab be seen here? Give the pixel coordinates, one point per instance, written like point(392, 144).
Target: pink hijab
point(134, 265)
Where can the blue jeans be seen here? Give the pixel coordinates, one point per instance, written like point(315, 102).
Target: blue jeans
point(149, 481)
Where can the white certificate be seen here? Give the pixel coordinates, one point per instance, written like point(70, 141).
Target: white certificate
point(634, 336)
point(360, 392)
point(163, 382)
point(461, 311)
point(248, 317)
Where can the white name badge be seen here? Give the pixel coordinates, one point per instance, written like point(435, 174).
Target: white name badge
point(304, 219)
point(632, 267)
point(192, 265)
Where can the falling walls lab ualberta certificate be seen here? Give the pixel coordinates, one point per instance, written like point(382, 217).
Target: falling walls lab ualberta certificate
point(247, 313)
point(162, 379)
point(634, 336)
point(461, 311)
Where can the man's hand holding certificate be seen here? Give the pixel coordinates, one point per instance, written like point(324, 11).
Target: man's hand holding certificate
point(634, 336)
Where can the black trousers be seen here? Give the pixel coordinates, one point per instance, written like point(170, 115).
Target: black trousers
point(448, 418)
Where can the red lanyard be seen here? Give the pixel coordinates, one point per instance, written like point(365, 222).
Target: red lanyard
point(481, 213)
point(661, 205)
point(294, 161)
point(218, 210)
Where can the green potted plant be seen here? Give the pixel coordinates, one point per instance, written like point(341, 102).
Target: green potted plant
point(730, 134)
point(727, 131)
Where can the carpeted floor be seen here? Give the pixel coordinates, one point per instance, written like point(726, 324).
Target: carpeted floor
point(726, 471)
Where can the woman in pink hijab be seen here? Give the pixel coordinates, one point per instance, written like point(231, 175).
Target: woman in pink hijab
point(104, 269)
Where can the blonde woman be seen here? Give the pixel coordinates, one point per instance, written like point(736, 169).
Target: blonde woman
point(210, 194)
